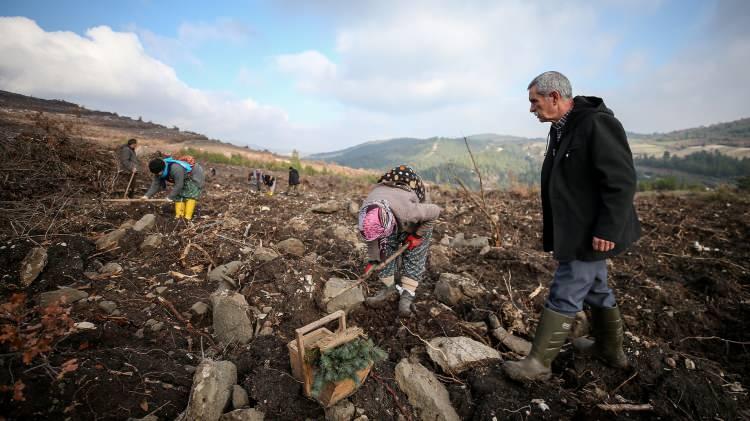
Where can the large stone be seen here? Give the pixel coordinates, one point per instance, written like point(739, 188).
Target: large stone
point(111, 239)
point(425, 392)
point(439, 257)
point(228, 269)
point(63, 295)
point(477, 242)
point(152, 242)
point(147, 222)
point(239, 397)
point(345, 234)
point(460, 353)
point(263, 254)
point(452, 289)
point(212, 387)
point(251, 414)
point(231, 322)
point(338, 295)
point(33, 264)
point(342, 411)
point(292, 246)
point(330, 206)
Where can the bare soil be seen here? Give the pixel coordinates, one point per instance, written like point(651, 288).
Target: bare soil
point(680, 304)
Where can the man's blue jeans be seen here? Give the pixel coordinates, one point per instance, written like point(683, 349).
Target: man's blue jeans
point(577, 282)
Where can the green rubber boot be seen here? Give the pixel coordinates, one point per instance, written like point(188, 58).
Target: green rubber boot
point(606, 328)
point(550, 336)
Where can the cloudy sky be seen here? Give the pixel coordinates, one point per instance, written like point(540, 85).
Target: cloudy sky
point(323, 75)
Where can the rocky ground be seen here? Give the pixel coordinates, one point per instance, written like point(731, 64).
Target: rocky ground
point(173, 320)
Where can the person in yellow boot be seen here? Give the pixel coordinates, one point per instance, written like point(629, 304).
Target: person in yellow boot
point(588, 185)
point(187, 179)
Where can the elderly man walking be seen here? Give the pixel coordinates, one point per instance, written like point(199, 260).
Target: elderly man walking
point(588, 184)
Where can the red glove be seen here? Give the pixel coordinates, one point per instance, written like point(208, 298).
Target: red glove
point(370, 265)
point(414, 241)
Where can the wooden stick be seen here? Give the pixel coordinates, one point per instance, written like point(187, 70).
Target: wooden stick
point(377, 268)
point(127, 189)
point(625, 407)
point(136, 200)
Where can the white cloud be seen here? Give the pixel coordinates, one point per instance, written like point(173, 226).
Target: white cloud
point(110, 70)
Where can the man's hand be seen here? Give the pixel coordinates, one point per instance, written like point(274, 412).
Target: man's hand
point(600, 244)
point(414, 241)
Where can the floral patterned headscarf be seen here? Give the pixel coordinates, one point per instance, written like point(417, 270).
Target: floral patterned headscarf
point(404, 177)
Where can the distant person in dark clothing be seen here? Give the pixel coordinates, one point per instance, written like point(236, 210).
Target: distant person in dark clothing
point(293, 181)
point(128, 166)
point(588, 185)
point(213, 172)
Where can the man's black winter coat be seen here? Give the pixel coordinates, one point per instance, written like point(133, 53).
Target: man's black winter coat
point(588, 184)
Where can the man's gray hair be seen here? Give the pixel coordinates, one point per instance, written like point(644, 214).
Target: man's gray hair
point(549, 82)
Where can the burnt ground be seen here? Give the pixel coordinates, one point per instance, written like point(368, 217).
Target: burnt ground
point(680, 304)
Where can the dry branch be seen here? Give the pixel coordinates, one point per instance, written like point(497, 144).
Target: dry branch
point(481, 203)
point(619, 407)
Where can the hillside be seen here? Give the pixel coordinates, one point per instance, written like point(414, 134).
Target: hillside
point(503, 160)
point(110, 129)
point(151, 308)
point(508, 160)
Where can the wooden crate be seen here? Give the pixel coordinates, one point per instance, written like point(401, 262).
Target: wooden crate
point(315, 336)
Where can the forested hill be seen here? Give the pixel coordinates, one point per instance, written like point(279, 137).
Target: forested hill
point(502, 159)
point(506, 160)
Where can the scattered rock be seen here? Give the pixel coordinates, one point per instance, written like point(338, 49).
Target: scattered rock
point(127, 224)
point(108, 306)
point(457, 354)
point(213, 382)
point(251, 414)
point(85, 326)
point(160, 290)
point(477, 242)
point(157, 326)
point(33, 264)
point(452, 289)
point(338, 296)
point(439, 258)
point(63, 295)
point(111, 239)
point(199, 308)
point(298, 224)
point(425, 392)
point(226, 270)
point(689, 364)
point(346, 234)
point(292, 246)
point(671, 362)
point(328, 207)
point(239, 397)
point(342, 411)
point(353, 208)
point(264, 254)
point(139, 333)
point(145, 223)
point(267, 329)
point(111, 268)
point(152, 242)
point(230, 319)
